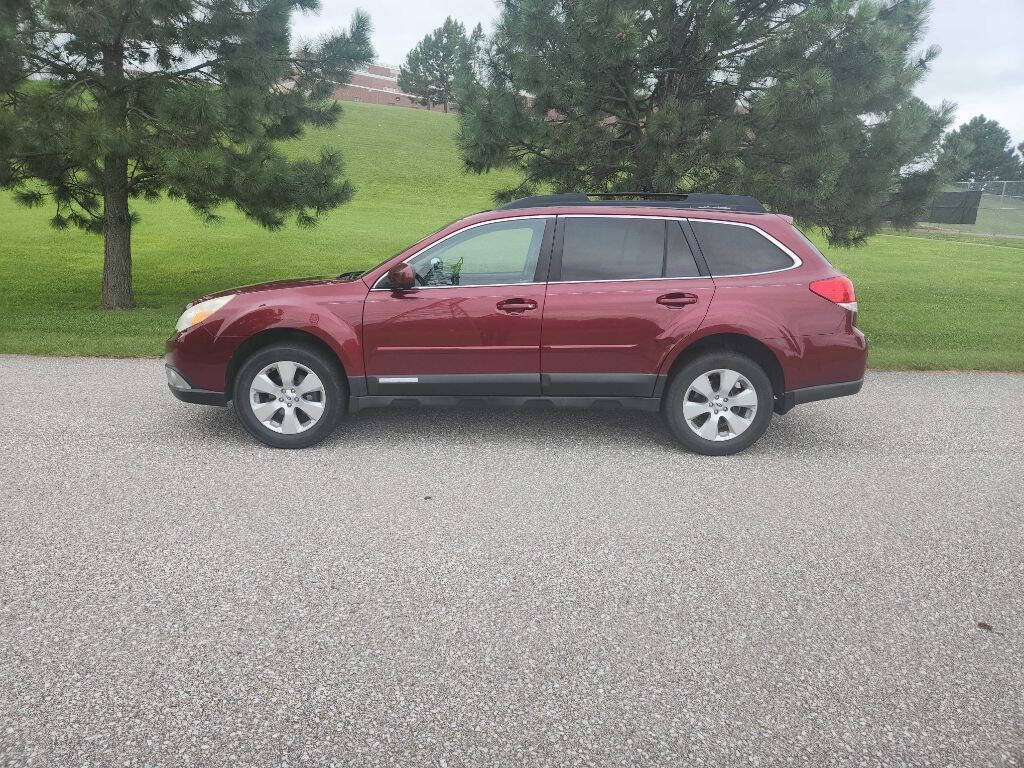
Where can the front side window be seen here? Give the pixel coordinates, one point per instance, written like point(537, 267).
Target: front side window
point(497, 253)
point(731, 249)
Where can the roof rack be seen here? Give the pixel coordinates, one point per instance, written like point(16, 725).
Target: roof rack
point(744, 203)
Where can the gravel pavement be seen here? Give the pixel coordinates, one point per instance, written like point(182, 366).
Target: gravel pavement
point(515, 588)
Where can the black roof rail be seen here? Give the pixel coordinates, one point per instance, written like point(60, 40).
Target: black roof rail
point(539, 201)
point(743, 203)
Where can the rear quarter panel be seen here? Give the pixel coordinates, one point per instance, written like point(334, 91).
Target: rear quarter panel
point(814, 340)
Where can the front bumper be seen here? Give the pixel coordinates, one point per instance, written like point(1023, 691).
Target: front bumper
point(182, 389)
point(796, 397)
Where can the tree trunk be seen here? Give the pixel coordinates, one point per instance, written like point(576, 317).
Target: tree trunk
point(117, 290)
point(117, 236)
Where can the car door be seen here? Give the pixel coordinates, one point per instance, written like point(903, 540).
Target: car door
point(472, 323)
point(623, 291)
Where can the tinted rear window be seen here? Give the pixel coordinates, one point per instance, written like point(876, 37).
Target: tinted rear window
point(612, 249)
point(679, 261)
point(734, 250)
point(595, 248)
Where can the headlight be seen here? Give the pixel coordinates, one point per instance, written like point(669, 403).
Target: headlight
point(199, 312)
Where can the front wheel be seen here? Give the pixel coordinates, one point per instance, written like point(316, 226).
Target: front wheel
point(289, 395)
point(718, 404)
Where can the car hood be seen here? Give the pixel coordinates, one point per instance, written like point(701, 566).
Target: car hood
point(271, 286)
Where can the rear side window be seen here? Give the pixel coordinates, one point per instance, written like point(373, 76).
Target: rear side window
point(595, 248)
point(612, 249)
point(679, 261)
point(735, 250)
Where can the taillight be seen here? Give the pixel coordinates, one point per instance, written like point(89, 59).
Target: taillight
point(838, 290)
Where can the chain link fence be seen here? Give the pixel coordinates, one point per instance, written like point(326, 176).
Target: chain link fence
point(1000, 211)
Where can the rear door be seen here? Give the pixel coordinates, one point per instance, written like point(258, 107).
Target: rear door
point(623, 291)
point(472, 324)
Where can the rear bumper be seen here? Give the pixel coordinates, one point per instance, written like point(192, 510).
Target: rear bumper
point(182, 389)
point(796, 397)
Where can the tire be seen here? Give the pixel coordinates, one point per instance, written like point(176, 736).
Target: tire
point(728, 413)
point(289, 416)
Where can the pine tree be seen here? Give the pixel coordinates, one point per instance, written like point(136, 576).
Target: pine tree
point(415, 76)
point(991, 155)
point(109, 101)
point(808, 105)
point(437, 64)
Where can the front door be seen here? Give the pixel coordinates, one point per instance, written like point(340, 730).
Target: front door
point(472, 324)
point(624, 291)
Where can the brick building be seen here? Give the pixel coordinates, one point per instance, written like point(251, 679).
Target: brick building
point(377, 84)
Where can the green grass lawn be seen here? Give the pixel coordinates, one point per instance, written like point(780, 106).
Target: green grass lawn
point(937, 303)
point(926, 302)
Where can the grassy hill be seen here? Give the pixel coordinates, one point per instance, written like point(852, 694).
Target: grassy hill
point(408, 183)
point(926, 302)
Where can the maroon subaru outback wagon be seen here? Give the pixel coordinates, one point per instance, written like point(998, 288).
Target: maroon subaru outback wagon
point(706, 307)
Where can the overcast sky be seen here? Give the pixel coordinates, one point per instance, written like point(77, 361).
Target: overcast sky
point(981, 67)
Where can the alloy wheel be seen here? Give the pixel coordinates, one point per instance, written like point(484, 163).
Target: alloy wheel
point(287, 397)
point(720, 405)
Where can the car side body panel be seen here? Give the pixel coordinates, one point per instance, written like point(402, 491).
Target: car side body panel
point(610, 338)
point(329, 310)
point(414, 340)
point(814, 340)
point(453, 339)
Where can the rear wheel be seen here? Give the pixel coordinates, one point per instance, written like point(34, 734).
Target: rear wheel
point(718, 404)
point(289, 395)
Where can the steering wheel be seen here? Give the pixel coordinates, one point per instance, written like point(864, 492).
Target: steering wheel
point(419, 278)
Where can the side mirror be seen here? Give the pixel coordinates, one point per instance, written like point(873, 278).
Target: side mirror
point(402, 277)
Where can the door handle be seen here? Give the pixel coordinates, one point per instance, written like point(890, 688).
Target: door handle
point(516, 305)
point(677, 299)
